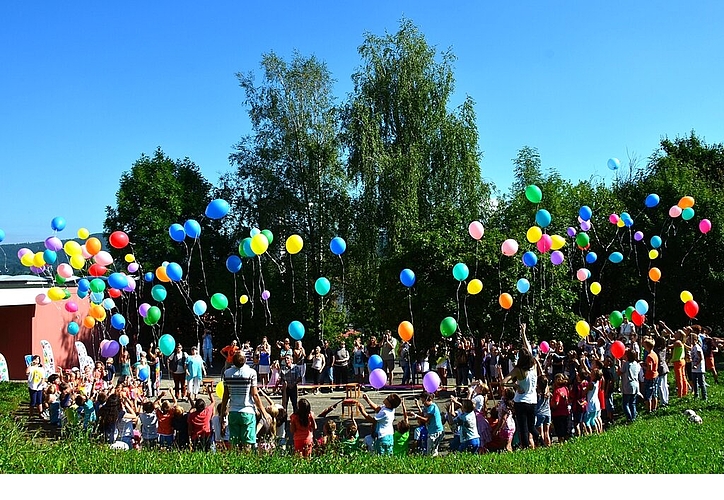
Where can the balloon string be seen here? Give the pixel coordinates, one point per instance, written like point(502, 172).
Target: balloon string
point(203, 269)
point(409, 305)
point(342, 262)
point(294, 292)
point(690, 249)
point(457, 302)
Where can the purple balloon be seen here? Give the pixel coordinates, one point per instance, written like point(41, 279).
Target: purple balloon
point(431, 382)
point(53, 243)
point(378, 378)
point(110, 349)
point(265, 295)
point(638, 236)
point(132, 267)
point(557, 257)
point(131, 286)
point(143, 309)
point(585, 225)
point(571, 231)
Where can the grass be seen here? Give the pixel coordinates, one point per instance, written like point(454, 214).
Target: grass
point(665, 443)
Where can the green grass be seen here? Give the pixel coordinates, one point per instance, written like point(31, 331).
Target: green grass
point(666, 443)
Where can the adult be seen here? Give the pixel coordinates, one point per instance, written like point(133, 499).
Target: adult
point(461, 364)
point(153, 356)
point(328, 373)
point(710, 348)
point(263, 360)
point(207, 348)
point(285, 349)
point(371, 349)
point(299, 356)
point(651, 374)
point(405, 363)
point(525, 377)
point(318, 362)
point(388, 353)
point(195, 372)
point(229, 352)
point(241, 400)
point(125, 366)
point(36, 384)
point(291, 377)
point(341, 364)
point(358, 361)
point(626, 329)
point(177, 369)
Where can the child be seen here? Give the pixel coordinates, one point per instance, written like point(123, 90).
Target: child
point(328, 439)
point(543, 410)
point(593, 413)
point(401, 437)
point(149, 425)
point(560, 407)
point(275, 377)
point(221, 442)
point(302, 426)
point(199, 422)
point(383, 440)
point(86, 411)
point(180, 424)
point(432, 419)
point(164, 414)
point(53, 404)
point(480, 396)
point(110, 372)
point(504, 427)
point(350, 438)
point(469, 437)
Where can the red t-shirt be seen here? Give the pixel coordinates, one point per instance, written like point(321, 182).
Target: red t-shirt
point(652, 366)
point(200, 422)
point(164, 422)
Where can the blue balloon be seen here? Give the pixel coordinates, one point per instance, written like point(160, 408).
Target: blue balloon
point(83, 285)
point(108, 304)
point(591, 257)
point(337, 245)
point(174, 271)
point(615, 257)
point(460, 271)
point(2, 235)
point(641, 306)
point(192, 228)
point(119, 323)
point(543, 217)
point(49, 256)
point(216, 209)
point(82, 294)
point(322, 286)
point(233, 263)
point(652, 200)
point(73, 328)
point(655, 241)
point(614, 163)
point(123, 339)
point(585, 212)
point(530, 259)
point(407, 277)
point(148, 277)
point(296, 330)
point(523, 285)
point(199, 307)
point(119, 281)
point(159, 293)
point(96, 297)
point(176, 232)
point(375, 362)
point(144, 373)
point(58, 223)
point(246, 246)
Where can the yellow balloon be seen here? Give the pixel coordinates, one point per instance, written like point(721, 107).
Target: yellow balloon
point(56, 293)
point(557, 242)
point(244, 299)
point(259, 243)
point(686, 296)
point(220, 389)
point(534, 234)
point(27, 259)
point(77, 262)
point(294, 244)
point(129, 257)
point(38, 259)
point(620, 223)
point(83, 233)
point(72, 247)
point(653, 254)
point(583, 328)
point(475, 286)
point(595, 288)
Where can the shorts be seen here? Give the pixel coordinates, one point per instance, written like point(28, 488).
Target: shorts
point(165, 440)
point(709, 363)
point(388, 364)
point(384, 445)
point(263, 369)
point(242, 428)
point(433, 442)
point(471, 445)
point(649, 389)
point(359, 369)
point(542, 420)
point(36, 397)
point(591, 416)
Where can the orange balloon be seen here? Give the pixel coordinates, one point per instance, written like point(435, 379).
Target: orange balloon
point(505, 300)
point(93, 245)
point(686, 202)
point(655, 274)
point(97, 312)
point(161, 274)
point(406, 331)
point(89, 322)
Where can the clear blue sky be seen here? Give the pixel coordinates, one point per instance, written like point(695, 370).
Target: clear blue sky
point(87, 87)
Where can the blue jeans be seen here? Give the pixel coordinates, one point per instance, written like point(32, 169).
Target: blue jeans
point(629, 406)
point(697, 382)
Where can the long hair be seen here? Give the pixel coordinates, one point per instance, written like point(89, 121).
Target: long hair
point(303, 411)
point(525, 360)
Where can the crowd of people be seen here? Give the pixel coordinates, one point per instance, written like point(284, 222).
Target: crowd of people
point(504, 396)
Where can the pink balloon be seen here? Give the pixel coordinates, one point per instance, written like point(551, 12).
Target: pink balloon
point(544, 347)
point(476, 230)
point(42, 300)
point(674, 211)
point(431, 382)
point(65, 270)
point(71, 307)
point(583, 274)
point(705, 226)
point(544, 243)
point(143, 309)
point(509, 247)
point(613, 218)
point(378, 378)
point(103, 258)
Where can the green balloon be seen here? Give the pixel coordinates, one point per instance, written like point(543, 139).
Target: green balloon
point(219, 301)
point(616, 318)
point(533, 193)
point(582, 239)
point(628, 312)
point(59, 279)
point(153, 315)
point(97, 285)
point(448, 326)
point(268, 234)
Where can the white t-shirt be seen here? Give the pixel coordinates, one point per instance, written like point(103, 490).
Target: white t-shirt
point(385, 418)
point(528, 387)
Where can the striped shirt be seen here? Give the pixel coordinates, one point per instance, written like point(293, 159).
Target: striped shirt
point(239, 382)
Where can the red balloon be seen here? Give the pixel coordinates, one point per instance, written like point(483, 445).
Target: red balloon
point(637, 319)
point(97, 270)
point(114, 293)
point(691, 309)
point(618, 349)
point(118, 239)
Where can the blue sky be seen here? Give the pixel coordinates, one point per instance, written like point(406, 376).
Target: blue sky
point(87, 87)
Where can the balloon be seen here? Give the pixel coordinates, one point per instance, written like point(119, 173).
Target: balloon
point(704, 226)
point(96, 297)
point(651, 200)
point(687, 213)
point(245, 248)
point(119, 323)
point(174, 271)
point(167, 344)
point(337, 245)
point(595, 288)
point(448, 326)
point(57, 224)
point(118, 239)
point(153, 315)
point(216, 209)
point(176, 232)
point(97, 285)
point(674, 211)
point(557, 257)
point(431, 382)
point(219, 389)
point(583, 274)
point(72, 248)
point(143, 309)
point(585, 225)
point(653, 254)
point(557, 242)
point(407, 277)
point(296, 330)
point(613, 218)
point(114, 292)
point(161, 274)
point(378, 378)
point(618, 349)
point(65, 270)
point(613, 163)
point(294, 244)
point(73, 328)
point(254, 231)
point(476, 230)
point(118, 280)
point(83, 285)
point(655, 241)
point(641, 306)
point(629, 312)
point(322, 286)
point(123, 339)
point(585, 212)
point(505, 300)
point(475, 286)
point(637, 318)
point(244, 299)
point(268, 234)
point(530, 259)
point(615, 257)
point(27, 259)
point(89, 322)
point(49, 256)
point(543, 218)
point(544, 347)
point(460, 271)
point(103, 258)
point(571, 232)
point(148, 277)
point(259, 244)
point(265, 295)
point(192, 229)
point(616, 319)
point(110, 349)
point(638, 236)
point(654, 274)
point(132, 267)
point(509, 247)
point(38, 259)
point(533, 193)
point(375, 362)
point(405, 330)
point(591, 257)
point(523, 285)
point(143, 373)
point(582, 240)
point(42, 300)
point(71, 307)
point(686, 202)
point(583, 328)
point(199, 307)
point(691, 308)
point(219, 301)
point(544, 243)
point(159, 293)
point(686, 296)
